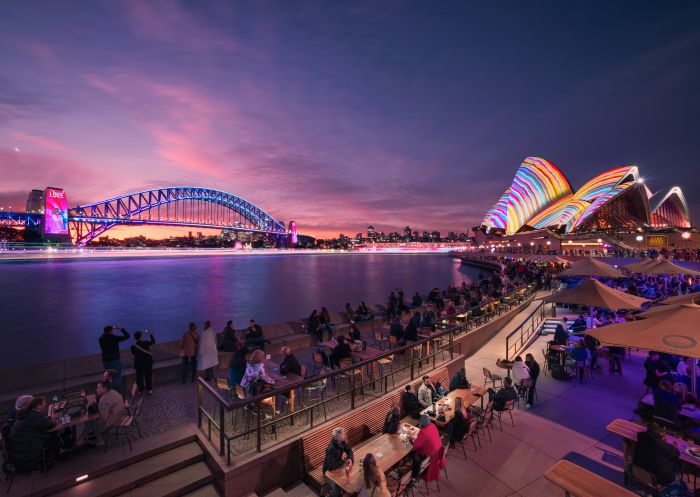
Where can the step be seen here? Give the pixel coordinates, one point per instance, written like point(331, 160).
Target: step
point(205, 491)
point(301, 489)
point(175, 484)
point(138, 473)
point(278, 492)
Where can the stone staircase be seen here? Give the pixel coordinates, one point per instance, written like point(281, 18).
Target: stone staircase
point(297, 490)
point(177, 469)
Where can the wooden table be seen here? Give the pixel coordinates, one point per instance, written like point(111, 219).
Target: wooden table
point(629, 430)
point(469, 396)
point(284, 381)
point(391, 448)
point(579, 482)
point(75, 421)
point(692, 414)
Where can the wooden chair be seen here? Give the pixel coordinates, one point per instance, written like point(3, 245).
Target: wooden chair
point(508, 408)
point(401, 486)
point(646, 478)
point(317, 389)
point(473, 433)
point(387, 363)
point(545, 362)
point(380, 340)
point(319, 365)
point(348, 375)
point(486, 421)
point(491, 378)
point(126, 424)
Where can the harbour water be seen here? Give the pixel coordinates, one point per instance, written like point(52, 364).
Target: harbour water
point(57, 309)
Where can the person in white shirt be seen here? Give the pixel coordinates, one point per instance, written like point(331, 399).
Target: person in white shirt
point(520, 371)
point(425, 392)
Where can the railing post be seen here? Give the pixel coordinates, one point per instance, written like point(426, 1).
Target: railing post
point(221, 429)
point(199, 404)
point(413, 362)
point(352, 389)
point(258, 442)
point(452, 349)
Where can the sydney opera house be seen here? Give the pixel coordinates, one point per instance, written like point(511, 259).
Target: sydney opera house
point(614, 208)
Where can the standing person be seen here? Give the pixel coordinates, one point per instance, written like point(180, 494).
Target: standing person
point(237, 363)
point(314, 325)
point(338, 454)
point(228, 338)
point(325, 320)
point(207, 356)
point(534, 374)
point(143, 361)
point(189, 346)
point(109, 345)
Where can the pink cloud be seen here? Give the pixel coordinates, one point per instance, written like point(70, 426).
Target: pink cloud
point(35, 48)
point(166, 21)
point(40, 141)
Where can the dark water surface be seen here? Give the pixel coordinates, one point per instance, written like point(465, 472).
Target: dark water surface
point(54, 310)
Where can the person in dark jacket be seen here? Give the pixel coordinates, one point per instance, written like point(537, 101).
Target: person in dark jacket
point(255, 336)
point(340, 351)
point(396, 329)
point(561, 336)
point(109, 346)
point(314, 325)
point(28, 435)
point(409, 400)
point(655, 455)
point(228, 338)
point(143, 361)
point(354, 333)
point(666, 402)
point(237, 364)
point(592, 345)
point(651, 364)
point(534, 368)
point(392, 421)
point(458, 426)
point(459, 380)
point(290, 364)
point(505, 394)
point(410, 334)
point(338, 454)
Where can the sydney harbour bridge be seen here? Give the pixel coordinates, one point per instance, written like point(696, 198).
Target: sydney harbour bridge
point(185, 206)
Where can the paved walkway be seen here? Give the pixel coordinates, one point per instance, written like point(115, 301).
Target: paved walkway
point(568, 422)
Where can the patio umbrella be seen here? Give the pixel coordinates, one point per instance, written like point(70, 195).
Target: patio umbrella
point(688, 298)
point(593, 293)
point(664, 266)
point(589, 266)
point(638, 267)
point(673, 330)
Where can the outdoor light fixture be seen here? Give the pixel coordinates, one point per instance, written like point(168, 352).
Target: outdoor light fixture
point(81, 478)
point(548, 242)
point(686, 235)
point(639, 238)
point(599, 240)
point(532, 244)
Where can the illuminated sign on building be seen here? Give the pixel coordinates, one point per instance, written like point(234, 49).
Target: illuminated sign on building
point(55, 212)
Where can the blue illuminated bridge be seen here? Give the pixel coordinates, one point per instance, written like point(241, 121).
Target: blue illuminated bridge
point(173, 206)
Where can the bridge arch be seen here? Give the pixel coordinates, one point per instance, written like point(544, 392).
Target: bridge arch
point(172, 206)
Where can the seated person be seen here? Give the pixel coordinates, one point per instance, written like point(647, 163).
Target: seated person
point(459, 380)
point(373, 479)
point(521, 372)
point(363, 313)
point(666, 403)
point(290, 364)
point(663, 373)
point(340, 351)
point(337, 453)
point(426, 392)
point(21, 402)
point(409, 400)
point(396, 329)
point(579, 325)
point(354, 333)
point(392, 421)
point(254, 336)
point(561, 336)
point(655, 455)
point(417, 300)
point(110, 406)
point(28, 435)
point(681, 389)
point(458, 427)
point(428, 319)
point(427, 444)
point(440, 390)
point(505, 394)
point(110, 376)
point(411, 332)
point(350, 312)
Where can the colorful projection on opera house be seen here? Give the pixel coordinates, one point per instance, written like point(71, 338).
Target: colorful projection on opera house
point(55, 212)
point(537, 184)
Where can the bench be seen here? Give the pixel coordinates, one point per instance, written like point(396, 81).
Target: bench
point(362, 426)
point(579, 482)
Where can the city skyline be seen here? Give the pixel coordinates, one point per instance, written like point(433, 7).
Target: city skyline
point(338, 116)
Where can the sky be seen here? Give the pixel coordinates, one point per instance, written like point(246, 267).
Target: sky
point(348, 113)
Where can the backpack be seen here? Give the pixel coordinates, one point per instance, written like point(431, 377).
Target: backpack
point(558, 373)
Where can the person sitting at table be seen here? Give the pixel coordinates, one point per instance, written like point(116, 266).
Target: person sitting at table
point(592, 345)
point(28, 435)
point(666, 403)
point(349, 312)
point(254, 370)
point(426, 392)
point(21, 402)
point(363, 313)
point(392, 420)
point(338, 454)
point(354, 333)
point(505, 394)
point(450, 309)
point(440, 390)
point(459, 380)
point(579, 325)
point(561, 336)
point(458, 426)
point(110, 376)
point(428, 319)
point(653, 454)
point(521, 372)
point(534, 369)
point(417, 300)
point(681, 389)
point(254, 336)
point(663, 373)
point(374, 479)
point(290, 364)
point(427, 444)
point(340, 352)
point(410, 334)
point(409, 400)
point(110, 406)
point(237, 364)
point(228, 338)
point(578, 354)
point(396, 329)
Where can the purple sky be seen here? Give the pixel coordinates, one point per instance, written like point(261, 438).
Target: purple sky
point(341, 114)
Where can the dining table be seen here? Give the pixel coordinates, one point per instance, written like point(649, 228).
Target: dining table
point(388, 450)
point(284, 381)
point(469, 396)
point(62, 421)
point(689, 411)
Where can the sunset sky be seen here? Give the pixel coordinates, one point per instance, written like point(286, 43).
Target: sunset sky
point(340, 114)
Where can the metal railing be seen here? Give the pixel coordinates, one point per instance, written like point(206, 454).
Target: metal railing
point(407, 361)
point(518, 340)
